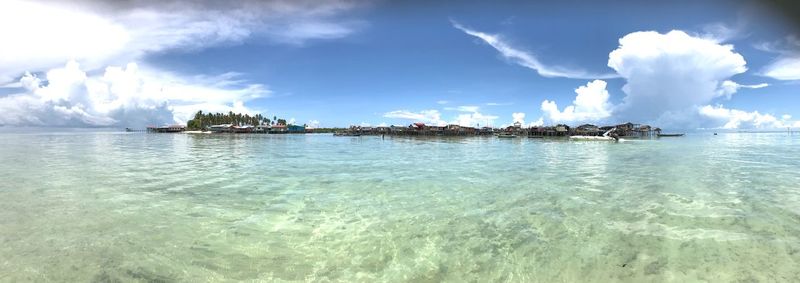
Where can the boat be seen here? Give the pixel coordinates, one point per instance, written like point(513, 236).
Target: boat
point(506, 136)
point(607, 136)
point(670, 135)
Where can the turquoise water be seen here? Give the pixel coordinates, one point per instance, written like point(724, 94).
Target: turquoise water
point(85, 206)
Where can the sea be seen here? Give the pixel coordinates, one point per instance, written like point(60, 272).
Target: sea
point(111, 206)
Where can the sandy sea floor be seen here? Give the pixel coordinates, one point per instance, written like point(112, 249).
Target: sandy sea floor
point(83, 206)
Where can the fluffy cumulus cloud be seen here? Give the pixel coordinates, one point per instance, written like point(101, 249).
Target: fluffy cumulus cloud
point(432, 116)
point(670, 79)
point(469, 117)
point(735, 119)
point(528, 60)
point(95, 32)
point(128, 96)
point(537, 123)
point(313, 124)
point(591, 104)
point(519, 117)
point(668, 74)
point(39, 36)
point(474, 119)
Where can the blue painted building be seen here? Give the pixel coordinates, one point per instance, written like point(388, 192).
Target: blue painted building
point(295, 129)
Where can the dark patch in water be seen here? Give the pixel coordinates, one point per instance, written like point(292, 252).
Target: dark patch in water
point(203, 249)
point(149, 276)
point(655, 267)
point(194, 214)
point(104, 277)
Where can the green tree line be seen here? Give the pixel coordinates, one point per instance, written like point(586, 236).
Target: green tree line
point(203, 120)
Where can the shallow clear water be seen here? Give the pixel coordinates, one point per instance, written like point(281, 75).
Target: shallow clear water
point(87, 206)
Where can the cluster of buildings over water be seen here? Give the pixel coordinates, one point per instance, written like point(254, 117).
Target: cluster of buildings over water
point(237, 129)
point(628, 130)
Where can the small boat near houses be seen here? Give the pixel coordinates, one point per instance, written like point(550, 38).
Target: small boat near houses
point(607, 136)
point(506, 136)
point(346, 134)
point(669, 135)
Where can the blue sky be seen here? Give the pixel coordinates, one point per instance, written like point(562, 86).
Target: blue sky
point(344, 63)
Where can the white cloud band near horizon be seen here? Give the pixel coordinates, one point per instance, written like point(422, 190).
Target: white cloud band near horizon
point(130, 96)
point(469, 116)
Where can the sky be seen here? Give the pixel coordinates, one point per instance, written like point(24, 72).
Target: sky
point(672, 64)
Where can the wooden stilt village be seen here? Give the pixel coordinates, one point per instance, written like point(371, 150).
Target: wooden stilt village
point(585, 131)
point(627, 130)
point(234, 123)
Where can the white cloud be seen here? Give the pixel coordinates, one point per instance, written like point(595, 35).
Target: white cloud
point(537, 123)
point(728, 88)
point(786, 68)
point(464, 108)
point(38, 36)
point(668, 78)
point(442, 102)
point(591, 104)
point(670, 75)
point(105, 33)
point(498, 104)
point(432, 117)
point(474, 119)
point(313, 124)
point(737, 119)
point(41, 35)
point(528, 60)
point(787, 65)
point(720, 32)
point(518, 117)
point(130, 96)
point(786, 46)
